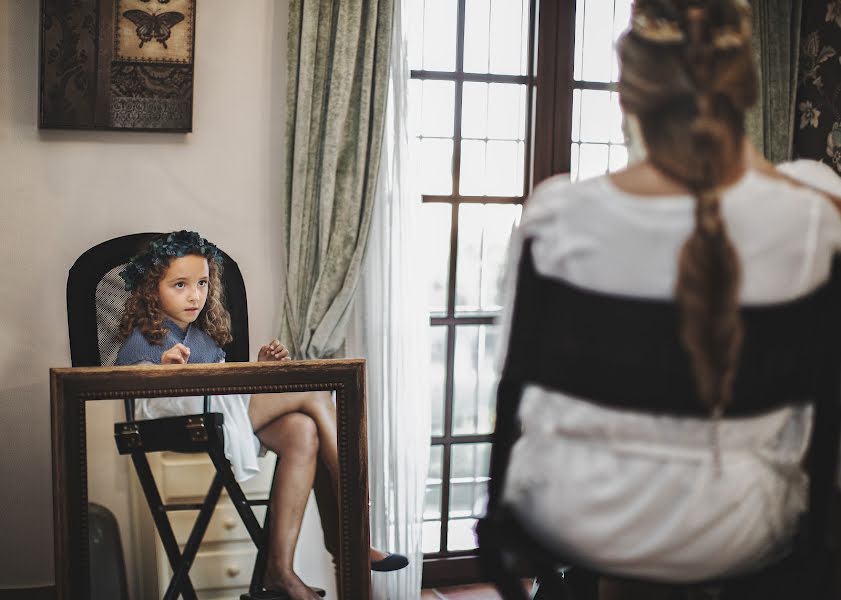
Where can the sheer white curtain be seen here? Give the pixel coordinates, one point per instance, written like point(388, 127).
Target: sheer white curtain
point(390, 328)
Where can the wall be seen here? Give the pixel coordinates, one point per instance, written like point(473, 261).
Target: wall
point(62, 192)
point(817, 126)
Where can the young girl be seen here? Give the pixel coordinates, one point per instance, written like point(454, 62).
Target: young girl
point(176, 315)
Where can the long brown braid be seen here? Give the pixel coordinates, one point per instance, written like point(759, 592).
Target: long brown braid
point(688, 76)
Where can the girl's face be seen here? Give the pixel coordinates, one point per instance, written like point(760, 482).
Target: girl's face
point(183, 289)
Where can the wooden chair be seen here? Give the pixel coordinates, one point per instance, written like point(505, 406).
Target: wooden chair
point(626, 353)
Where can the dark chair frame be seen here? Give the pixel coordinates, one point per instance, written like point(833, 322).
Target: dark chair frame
point(200, 433)
point(505, 545)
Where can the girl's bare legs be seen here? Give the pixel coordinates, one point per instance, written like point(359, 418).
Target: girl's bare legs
point(264, 408)
point(294, 438)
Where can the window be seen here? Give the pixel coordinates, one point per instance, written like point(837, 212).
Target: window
point(598, 142)
point(475, 90)
point(470, 94)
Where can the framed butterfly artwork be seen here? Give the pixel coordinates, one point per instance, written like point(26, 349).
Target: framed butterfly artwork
point(117, 64)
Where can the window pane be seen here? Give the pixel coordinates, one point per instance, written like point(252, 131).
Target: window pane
point(474, 110)
point(597, 42)
point(475, 379)
point(579, 35)
point(436, 223)
point(415, 34)
point(484, 233)
point(469, 470)
point(621, 20)
point(432, 502)
point(433, 161)
point(470, 463)
point(509, 48)
point(504, 168)
point(493, 168)
point(618, 157)
point(506, 111)
point(477, 14)
point(617, 134)
point(439, 35)
point(431, 536)
point(596, 117)
point(576, 115)
point(573, 162)
point(506, 23)
point(472, 173)
point(593, 160)
point(438, 377)
point(438, 106)
point(461, 535)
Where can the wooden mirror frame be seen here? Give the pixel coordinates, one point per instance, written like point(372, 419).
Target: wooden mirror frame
point(72, 388)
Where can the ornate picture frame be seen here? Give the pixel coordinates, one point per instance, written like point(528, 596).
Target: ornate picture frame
point(117, 64)
point(72, 388)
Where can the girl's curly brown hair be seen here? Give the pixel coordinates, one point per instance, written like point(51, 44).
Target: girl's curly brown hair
point(143, 312)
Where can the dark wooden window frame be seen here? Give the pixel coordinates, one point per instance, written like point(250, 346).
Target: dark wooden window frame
point(547, 151)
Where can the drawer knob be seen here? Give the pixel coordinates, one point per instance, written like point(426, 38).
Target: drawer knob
point(229, 523)
point(232, 571)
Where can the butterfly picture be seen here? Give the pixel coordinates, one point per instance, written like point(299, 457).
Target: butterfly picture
point(153, 25)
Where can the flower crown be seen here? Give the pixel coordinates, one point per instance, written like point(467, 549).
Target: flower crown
point(666, 31)
point(162, 250)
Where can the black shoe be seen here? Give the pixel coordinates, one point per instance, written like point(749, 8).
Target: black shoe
point(391, 562)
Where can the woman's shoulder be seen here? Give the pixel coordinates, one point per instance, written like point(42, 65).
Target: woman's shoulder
point(553, 198)
point(813, 173)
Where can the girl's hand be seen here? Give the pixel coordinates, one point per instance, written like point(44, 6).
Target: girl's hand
point(177, 355)
point(273, 351)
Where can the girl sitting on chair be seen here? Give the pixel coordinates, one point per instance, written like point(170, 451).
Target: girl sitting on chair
point(176, 315)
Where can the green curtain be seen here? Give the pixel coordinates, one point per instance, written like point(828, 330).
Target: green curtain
point(338, 60)
point(776, 49)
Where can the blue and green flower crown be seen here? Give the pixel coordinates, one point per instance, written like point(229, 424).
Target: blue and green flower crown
point(162, 250)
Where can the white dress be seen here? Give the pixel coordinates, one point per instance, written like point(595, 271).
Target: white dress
point(242, 447)
point(638, 495)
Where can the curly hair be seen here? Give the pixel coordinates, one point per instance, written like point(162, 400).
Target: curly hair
point(690, 98)
point(142, 310)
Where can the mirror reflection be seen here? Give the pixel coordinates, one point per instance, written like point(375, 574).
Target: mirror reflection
point(128, 557)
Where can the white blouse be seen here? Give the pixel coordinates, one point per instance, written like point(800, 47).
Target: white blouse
point(639, 495)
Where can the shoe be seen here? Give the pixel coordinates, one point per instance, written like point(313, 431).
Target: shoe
point(276, 594)
point(391, 562)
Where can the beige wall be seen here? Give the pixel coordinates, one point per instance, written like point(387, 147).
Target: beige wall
point(62, 192)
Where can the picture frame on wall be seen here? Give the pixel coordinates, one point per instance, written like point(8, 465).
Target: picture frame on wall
point(117, 64)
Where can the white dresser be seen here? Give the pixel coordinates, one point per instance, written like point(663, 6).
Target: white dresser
point(222, 569)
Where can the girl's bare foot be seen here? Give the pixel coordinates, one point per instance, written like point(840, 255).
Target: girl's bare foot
point(291, 584)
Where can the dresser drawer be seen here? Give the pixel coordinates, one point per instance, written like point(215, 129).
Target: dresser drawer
point(190, 477)
point(225, 524)
point(223, 570)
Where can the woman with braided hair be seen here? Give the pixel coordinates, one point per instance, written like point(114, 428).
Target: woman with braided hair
point(703, 485)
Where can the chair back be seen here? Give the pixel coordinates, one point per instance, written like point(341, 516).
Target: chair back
point(625, 352)
point(96, 297)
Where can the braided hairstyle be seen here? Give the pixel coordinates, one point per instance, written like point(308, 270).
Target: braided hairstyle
point(688, 76)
